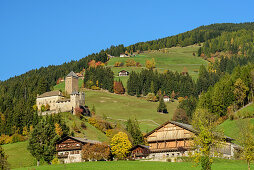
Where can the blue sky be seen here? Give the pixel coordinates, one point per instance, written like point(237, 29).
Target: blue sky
point(39, 33)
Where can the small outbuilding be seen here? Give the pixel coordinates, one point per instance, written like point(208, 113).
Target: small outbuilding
point(166, 99)
point(123, 73)
point(139, 151)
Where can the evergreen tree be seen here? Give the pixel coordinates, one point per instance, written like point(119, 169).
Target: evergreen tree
point(133, 129)
point(162, 106)
point(3, 160)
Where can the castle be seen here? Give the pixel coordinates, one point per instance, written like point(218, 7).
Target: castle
point(55, 102)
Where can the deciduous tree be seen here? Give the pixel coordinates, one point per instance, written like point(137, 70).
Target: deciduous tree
point(246, 140)
point(3, 160)
point(120, 145)
point(207, 140)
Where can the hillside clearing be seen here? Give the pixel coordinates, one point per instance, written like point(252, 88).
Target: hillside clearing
point(174, 59)
point(124, 107)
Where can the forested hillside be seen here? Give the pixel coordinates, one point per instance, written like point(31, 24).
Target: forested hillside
point(18, 94)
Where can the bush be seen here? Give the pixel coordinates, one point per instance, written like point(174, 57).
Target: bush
point(151, 97)
point(55, 161)
point(102, 125)
point(83, 125)
point(180, 116)
point(95, 87)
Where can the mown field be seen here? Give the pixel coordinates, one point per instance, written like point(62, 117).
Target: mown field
point(174, 59)
point(130, 165)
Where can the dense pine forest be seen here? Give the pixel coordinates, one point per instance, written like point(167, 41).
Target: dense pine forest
point(227, 47)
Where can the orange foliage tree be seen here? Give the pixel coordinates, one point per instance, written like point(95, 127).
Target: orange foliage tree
point(118, 87)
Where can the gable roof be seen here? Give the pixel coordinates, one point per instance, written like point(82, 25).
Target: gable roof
point(82, 140)
point(182, 125)
point(72, 74)
point(50, 93)
point(142, 146)
point(123, 71)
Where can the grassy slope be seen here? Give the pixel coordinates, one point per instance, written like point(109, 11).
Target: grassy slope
point(18, 155)
point(218, 165)
point(90, 132)
point(230, 128)
point(124, 107)
point(174, 59)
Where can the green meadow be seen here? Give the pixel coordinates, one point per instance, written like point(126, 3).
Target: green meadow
point(18, 155)
point(122, 107)
point(174, 59)
point(130, 165)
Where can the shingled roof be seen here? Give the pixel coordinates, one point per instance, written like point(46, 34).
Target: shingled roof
point(82, 140)
point(184, 126)
point(50, 93)
point(72, 74)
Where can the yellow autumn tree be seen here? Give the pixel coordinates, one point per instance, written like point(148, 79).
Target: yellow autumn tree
point(150, 64)
point(25, 131)
point(120, 145)
point(58, 129)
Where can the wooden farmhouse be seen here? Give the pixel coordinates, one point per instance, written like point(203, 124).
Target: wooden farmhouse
point(139, 151)
point(173, 139)
point(69, 149)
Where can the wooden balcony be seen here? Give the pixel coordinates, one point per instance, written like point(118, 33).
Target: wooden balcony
point(62, 156)
point(170, 149)
point(69, 148)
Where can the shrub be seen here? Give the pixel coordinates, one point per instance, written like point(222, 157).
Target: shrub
point(118, 87)
point(151, 97)
point(47, 107)
point(43, 108)
point(130, 62)
point(180, 116)
point(55, 161)
point(180, 99)
point(83, 125)
point(102, 125)
point(95, 87)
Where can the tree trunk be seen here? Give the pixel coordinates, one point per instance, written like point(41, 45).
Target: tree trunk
point(38, 163)
point(248, 165)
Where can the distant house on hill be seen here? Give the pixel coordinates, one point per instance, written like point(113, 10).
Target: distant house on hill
point(123, 55)
point(123, 73)
point(139, 151)
point(80, 76)
point(166, 99)
point(173, 139)
point(69, 149)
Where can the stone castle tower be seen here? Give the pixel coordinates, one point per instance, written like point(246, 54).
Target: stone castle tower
point(71, 83)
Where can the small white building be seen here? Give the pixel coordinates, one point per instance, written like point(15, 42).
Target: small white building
point(123, 73)
point(123, 55)
point(166, 99)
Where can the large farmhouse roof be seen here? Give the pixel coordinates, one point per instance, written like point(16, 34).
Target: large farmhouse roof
point(182, 125)
point(72, 74)
point(50, 93)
